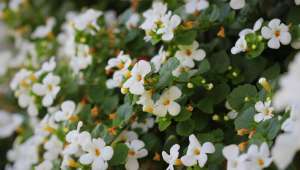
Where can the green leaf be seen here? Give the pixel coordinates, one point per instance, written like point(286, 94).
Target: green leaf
point(204, 66)
point(152, 142)
point(163, 123)
point(124, 113)
point(206, 105)
point(183, 115)
point(217, 157)
point(219, 62)
point(213, 136)
point(165, 73)
point(185, 128)
point(272, 72)
point(237, 97)
point(185, 37)
point(120, 154)
point(245, 119)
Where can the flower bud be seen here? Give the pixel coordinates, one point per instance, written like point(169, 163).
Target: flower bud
point(265, 84)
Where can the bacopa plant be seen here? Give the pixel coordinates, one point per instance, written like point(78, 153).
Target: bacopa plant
point(149, 85)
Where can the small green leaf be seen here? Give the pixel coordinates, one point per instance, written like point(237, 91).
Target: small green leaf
point(183, 115)
point(163, 123)
point(219, 62)
point(240, 95)
point(204, 66)
point(165, 74)
point(185, 128)
point(213, 136)
point(245, 119)
point(120, 154)
point(185, 37)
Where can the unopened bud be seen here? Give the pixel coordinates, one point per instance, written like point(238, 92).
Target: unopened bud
point(190, 85)
point(265, 84)
point(216, 117)
point(124, 90)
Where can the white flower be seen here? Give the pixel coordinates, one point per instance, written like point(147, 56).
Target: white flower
point(237, 4)
point(136, 82)
point(82, 60)
point(116, 80)
point(259, 157)
point(146, 101)
point(97, 154)
point(172, 158)
point(15, 4)
point(288, 95)
point(265, 111)
point(277, 32)
point(67, 110)
point(27, 101)
point(193, 6)
point(187, 54)
point(297, 2)
point(53, 148)
point(233, 113)
point(180, 69)
point(235, 161)
point(76, 140)
point(133, 21)
point(197, 153)
point(170, 23)
point(87, 18)
point(9, 123)
point(128, 136)
point(45, 30)
point(136, 151)
point(49, 65)
point(240, 46)
point(145, 126)
point(158, 22)
point(166, 103)
point(121, 62)
point(5, 59)
point(48, 89)
point(45, 165)
point(159, 59)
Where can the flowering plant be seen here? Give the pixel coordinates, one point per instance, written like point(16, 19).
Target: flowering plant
point(187, 84)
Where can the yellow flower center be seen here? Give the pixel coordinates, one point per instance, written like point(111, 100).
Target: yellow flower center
point(72, 163)
point(139, 77)
point(197, 151)
point(188, 52)
point(97, 152)
point(120, 65)
point(277, 34)
point(178, 162)
point(261, 162)
point(166, 102)
point(131, 153)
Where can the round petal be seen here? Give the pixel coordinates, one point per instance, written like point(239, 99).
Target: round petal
point(208, 147)
point(274, 43)
point(174, 92)
point(137, 88)
point(202, 159)
point(137, 144)
point(199, 55)
point(274, 23)
point(231, 152)
point(259, 106)
point(237, 4)
point(258, 117)
point(47, 100)
point(107, 153)
point(86, 159)
point(39, 89)
point(174, 108)
point(68, 107)
point(132, 164)
point(266, 32)
point(167, 158)
point(160, 110)
point(188, 160)
point(285, 38)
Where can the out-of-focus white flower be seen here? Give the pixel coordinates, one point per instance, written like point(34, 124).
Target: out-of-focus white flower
point(48, 89)
point(277, 33)
point(265, 111)
point(97, 154)
point(110, 17)
point(235, 161)
point(133, 21)
point(44, 30)
point(116, 80)
point(53, 148)
point(159, 59)
point(145, 126)
point(136, 151)
point(77, 140)
point(193, 6)
point(259, 157)
point(179, 70)
point(172, 158)
point(45, 165)
point(169, 24)
point(15, 4)
point(82, 60)
point(67, 111)
point(49, 66)
point(297, 2)
point(128, 136)
point(288, 95)
point(87, 18)
point(167, 104)
point(9, 123)
point(197, 153)
point(146, 101)
point(5, 59)
point(136, 82)
point(237, 4)
point(188, 53)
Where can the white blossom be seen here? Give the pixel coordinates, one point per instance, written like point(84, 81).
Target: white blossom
point(197, 153)
point(87, 18)
point(133, 21)
point(136, 151)
point(193, 6)
point(136, 82)
point(159, 59)
point(67, 111)
point(9, 122)
point(188, 53)
point(276, 32)
point(53, 148)
point(265, 111)
point(172, 158)
point(237, 4)
point(167, 104)
point(44, 30)
point(97, 154)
